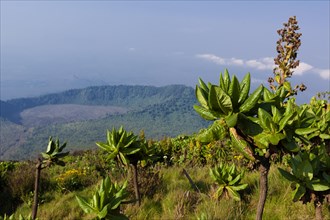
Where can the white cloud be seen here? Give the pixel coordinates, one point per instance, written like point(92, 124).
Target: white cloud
point(303, 67)
point(212, 58)
point(324, 73)
point(266, 63)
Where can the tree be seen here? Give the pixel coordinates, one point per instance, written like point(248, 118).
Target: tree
point(261, 124)
point(310, 168)
point(127, 149)
point(50, 157)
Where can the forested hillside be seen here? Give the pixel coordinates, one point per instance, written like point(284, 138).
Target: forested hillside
point(82, 116)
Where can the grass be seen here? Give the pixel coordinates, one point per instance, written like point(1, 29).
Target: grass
point(174, 198)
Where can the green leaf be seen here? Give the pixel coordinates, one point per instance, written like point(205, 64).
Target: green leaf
point(268, 95)
point(60, 155)
point(274, 139)
point(285, 119)
point(234, 91)
point(299, 192)
point(103, 146)
point(276, 114)
point(235, 195)
point(288, 175)
point(266, 121)
point(320, 186)
point(307, 169)
point(244, 88)
point(223, 100)
point(231, 120)
point(241, 145)
point(50, 147)
point(305, 131)
point(205, 113)
point(226, 80)
point(201, 97)
point(203, 85)
point(290, 145)
point(252, 100)
point(103, 213)
point(85, 206)
point(239, 187)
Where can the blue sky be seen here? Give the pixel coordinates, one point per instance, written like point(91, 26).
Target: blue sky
point(50, 46)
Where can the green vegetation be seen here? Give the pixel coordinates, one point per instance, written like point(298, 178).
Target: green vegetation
point(265, 131)
point(228, 178)
point(51, 157)
point(105, 202)
point(159, 111)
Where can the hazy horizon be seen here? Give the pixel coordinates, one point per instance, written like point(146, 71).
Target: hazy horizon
point(53, 46)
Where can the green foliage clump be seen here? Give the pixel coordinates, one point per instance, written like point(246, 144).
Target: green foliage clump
point(228, 179)
point(106, 201)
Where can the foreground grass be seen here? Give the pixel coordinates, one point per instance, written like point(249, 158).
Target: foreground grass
point(174, 198)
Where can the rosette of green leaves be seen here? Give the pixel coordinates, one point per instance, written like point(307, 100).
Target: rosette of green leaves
point(277, 127)
point(309, 173)
point(54, 153)
point(315, 123)
point(227, 99)
point(228, 179)
point(120, 144)
point(106, 201)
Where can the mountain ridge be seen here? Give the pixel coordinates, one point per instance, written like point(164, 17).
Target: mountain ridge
point(159, 111)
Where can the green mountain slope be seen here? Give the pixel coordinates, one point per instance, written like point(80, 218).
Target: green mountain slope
point(159, 111)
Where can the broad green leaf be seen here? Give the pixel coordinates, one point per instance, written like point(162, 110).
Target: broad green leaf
point(103, 213)
point(244, 88)
point(266, 121)
point(226, 80)
point(298, 193)
point(320, 186)
point(305, 131)
point(274, 139)
point(44, 155)
point(60, 155)
point(231, 120)
point(285, 119)
point(235, 195)
point(103, 146)
point(325, 136)
point(204, 113)
point(51, 146)
point(203, 85)
point(213, 101)
point(307, 169)
point(252, 100)
point(224, 101)
point(267, 95)
point(239, 187)
point(85, 206)
point(288, 175)
point(276, 114)
point(241, 145)
point(234, 91)
point(201, 97)
point(290, 145)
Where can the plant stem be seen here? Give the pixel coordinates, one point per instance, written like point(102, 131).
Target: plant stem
point(36, 190)
point(135, 182)
point(263, 186)
point(318, 210)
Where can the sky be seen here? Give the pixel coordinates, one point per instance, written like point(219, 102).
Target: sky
point(51, 46)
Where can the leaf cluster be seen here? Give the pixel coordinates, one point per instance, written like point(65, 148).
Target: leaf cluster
point(106, 201)
point(228, 179)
